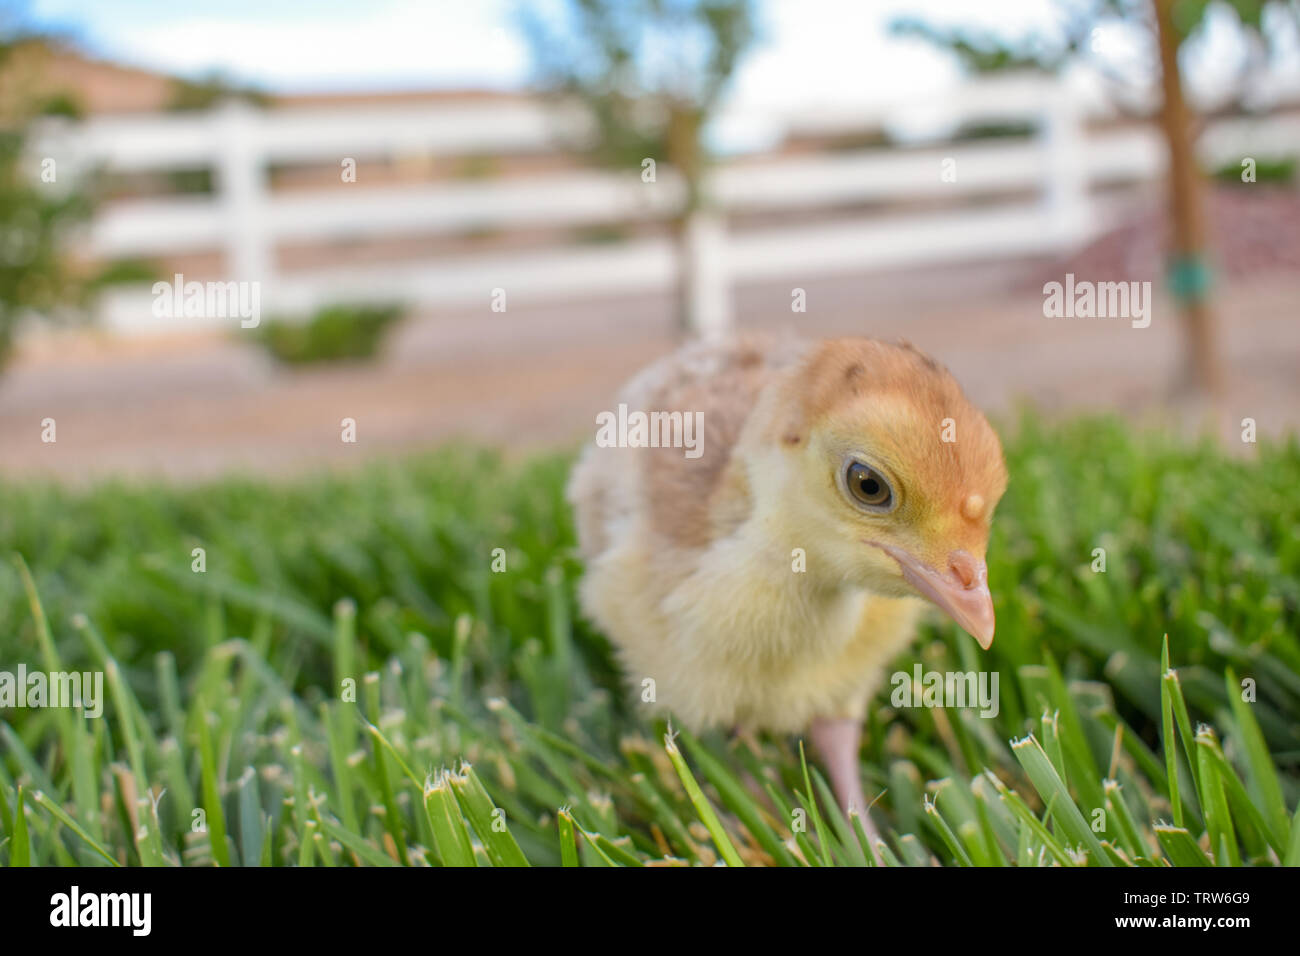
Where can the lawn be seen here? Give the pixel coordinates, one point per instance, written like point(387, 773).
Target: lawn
point(347, 681)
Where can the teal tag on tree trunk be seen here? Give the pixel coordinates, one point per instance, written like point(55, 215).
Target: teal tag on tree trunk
point(1190, 278)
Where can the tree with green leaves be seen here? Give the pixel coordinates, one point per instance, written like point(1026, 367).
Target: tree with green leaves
point(649, 74)
point(38, 207)
point(1170, 28)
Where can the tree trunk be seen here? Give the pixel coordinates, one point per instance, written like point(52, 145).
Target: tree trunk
point(1188, 259)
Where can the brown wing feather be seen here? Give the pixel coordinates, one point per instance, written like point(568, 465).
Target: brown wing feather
point(676, 493)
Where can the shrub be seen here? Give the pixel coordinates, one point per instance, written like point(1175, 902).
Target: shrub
point(335, 333)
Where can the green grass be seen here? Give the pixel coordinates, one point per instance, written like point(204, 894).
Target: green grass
point(483, 722)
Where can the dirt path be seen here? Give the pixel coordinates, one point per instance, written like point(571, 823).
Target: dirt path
point(195, 407)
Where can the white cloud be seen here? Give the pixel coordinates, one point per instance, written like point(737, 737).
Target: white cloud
point(442, 43)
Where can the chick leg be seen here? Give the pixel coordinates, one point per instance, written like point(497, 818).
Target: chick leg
point(837, 740)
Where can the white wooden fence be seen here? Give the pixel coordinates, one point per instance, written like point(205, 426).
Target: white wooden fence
point(1057, 167)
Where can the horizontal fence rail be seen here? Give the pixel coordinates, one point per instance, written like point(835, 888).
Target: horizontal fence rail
point(1034, 192)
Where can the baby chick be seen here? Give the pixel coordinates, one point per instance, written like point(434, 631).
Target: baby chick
point(766, 583)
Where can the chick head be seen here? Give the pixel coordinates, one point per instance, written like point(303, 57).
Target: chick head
point(896, 475)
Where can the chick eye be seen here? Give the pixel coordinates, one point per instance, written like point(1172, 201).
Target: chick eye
point(867, 486)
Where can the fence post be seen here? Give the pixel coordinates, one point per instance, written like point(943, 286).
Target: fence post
point(707, 280)
point(1066, 199)
point(242, 192)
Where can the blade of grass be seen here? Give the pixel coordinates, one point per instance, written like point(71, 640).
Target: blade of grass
point(1179, 846)
point(945, 832)
point(1261, 771)
point(702, 806)
point(736, 799)
point(488, 821)
point(1218, 821)
point(1053, 790)
point(1171, 748)
point(568, 839)
point(452, 838)
point(363, 848)
point(61, 815)
point(20, 851)
point(213, 811)
point(1292, 857)
point(819, 827)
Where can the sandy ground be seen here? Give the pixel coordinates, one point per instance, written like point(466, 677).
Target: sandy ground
point(192, 407)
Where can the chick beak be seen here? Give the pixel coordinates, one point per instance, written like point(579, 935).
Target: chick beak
point(962, 592)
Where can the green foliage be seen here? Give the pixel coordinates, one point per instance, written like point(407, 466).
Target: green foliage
point(1280, 171)
point(210, 91)
point(35, 218)
point(979, 51)
point(335, 333)
point(39, 207)
point(477, 691)
point(647, 72)
point(1072, 34)
point(125, 272)
point(477, 166)
point(192, 182)
point(971, 132)
point(64, 105)
point(1189, 15)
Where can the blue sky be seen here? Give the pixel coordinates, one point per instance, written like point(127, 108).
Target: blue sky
point(813, 50)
